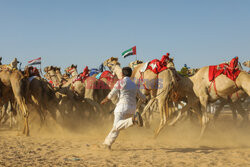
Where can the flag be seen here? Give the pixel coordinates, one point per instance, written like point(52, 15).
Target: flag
point(131, 51)
point(34, 62)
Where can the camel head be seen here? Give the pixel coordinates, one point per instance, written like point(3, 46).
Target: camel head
point(14, 63)
point(192, 71)
point(58, 69)
point(71, 69)
point(133, 64)
point(111, 62)
point(170, 63)
point(247, 64)
point(48, 69)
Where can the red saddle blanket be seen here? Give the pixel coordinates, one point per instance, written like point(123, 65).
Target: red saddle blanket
point(158, 66)
point(83, 76)
point(108, 75)
point(230, 70)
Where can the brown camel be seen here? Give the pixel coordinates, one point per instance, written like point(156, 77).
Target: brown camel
point(158, 86)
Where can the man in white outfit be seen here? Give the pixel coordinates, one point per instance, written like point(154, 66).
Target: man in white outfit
point(124, 113)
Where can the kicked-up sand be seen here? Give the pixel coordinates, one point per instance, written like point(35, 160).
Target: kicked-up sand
point(224, 144)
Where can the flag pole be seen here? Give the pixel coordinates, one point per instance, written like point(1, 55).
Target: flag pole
point(136, 55)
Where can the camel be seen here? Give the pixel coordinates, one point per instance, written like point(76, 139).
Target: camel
point(247, 64)
point(158, 86)
point(14, 81)
point(195, 86)
point(50, 71)
point(224, 88)
point(72, 70)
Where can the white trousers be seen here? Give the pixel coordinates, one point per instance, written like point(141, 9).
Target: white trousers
point(121, 121)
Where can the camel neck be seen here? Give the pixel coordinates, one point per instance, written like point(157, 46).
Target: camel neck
point(118, 71)
point(59, 76)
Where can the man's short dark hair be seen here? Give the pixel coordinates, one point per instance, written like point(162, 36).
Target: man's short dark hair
point(127, 71)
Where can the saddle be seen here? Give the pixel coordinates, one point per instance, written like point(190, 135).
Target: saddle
point(158, 66)
point(230, 70)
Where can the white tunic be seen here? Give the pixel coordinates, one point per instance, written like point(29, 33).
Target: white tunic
point(127, 92)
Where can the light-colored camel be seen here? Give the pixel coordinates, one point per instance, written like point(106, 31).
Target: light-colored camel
point(224, 86)
point(16, 82)
point(158, 86)
point(185, 90)
point(71, 71)
point(50, 71)
point(247, 64)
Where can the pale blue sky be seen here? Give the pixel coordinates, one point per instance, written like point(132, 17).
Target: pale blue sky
point(87, 32)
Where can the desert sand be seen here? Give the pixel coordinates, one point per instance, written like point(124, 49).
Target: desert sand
point(224, 144)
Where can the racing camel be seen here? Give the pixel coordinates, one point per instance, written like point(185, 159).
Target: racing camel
point(15, 82)
point(209, 87)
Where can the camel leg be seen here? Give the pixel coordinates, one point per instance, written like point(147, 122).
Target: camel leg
point(218, 111)
point(27, 132)
point(3, 113)
point(233, 112)
point(185, 108)
point(204, 117)
point(242, 112)
point(163, 113)
point(26, 116)
point(147, 106)
point(145, 110)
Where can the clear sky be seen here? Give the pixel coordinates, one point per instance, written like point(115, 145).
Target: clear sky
point(87, 32)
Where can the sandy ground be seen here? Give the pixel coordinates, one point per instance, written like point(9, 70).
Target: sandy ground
point(226, 145)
